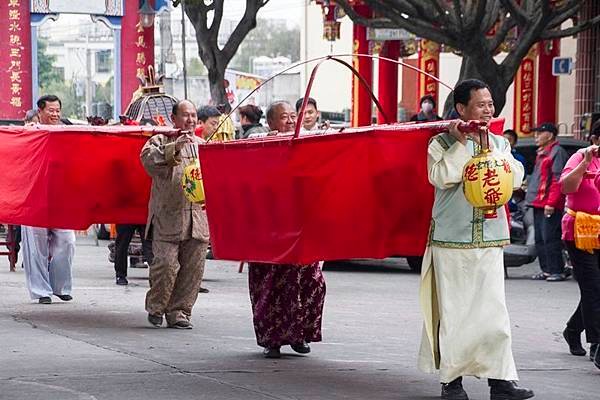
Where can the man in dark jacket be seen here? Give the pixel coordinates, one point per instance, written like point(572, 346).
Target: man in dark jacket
point(544, 195)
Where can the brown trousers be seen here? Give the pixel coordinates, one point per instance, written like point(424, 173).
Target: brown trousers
point(175, 278)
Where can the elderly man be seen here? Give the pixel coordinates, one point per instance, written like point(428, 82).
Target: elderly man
point(287, 300)
point(467, 328)
point(177, 227)
point(48, 252)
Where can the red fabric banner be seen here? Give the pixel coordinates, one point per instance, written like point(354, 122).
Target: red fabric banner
point(360, 193)
point(363, 193)
point(15, 59)
point(73, 176)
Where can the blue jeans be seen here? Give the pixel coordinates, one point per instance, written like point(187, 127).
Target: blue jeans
point(548, 240)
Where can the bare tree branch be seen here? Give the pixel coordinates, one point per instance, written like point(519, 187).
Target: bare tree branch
point(516, 11)
point(582, 26)
point(359, 19)
point(507, 25)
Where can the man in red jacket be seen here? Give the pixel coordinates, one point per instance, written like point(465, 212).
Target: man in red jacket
point(544, 195)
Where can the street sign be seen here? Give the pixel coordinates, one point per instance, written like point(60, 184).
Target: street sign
point(562, 66)
point(381, 34)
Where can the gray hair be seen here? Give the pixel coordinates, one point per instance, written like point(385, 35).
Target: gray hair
point(273, 107)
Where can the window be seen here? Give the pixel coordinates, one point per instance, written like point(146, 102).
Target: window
point(103, 61)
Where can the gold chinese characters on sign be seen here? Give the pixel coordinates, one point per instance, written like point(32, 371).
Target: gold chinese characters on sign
point(14, 72)
point(140, 58)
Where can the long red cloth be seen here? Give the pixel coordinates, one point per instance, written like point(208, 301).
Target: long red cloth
point(359, 194)
point(73, 176)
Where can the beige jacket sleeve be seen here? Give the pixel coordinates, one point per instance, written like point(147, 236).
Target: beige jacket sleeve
point(159, 156)
point(445, 167)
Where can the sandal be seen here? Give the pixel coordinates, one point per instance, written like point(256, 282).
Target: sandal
point(541, 276)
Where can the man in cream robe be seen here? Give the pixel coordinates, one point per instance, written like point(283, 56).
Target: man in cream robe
point(467, 328)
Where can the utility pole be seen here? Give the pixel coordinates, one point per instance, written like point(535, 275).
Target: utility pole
point(88, 77)
point(185, 94)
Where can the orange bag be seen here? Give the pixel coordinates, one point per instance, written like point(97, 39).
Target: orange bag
point(587, 230)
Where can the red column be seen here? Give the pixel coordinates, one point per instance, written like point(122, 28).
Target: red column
point(361, 100)
point(387, 90)
point(137, 50)
point(525, 82)
point(15, 59)
point(547, 94)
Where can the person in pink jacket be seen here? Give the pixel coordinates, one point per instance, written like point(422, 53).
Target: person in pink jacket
point(580, 181)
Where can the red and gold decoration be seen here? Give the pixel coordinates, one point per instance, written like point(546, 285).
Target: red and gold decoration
point(331, 26)
point(429, 61)
point(137, 49)
point(525, 86)
point(487, 181)
point(15, 65)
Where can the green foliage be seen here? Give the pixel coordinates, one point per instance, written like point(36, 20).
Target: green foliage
point(104, 93)
point(270, 38)
point(72, 105)
point(47, 72)
point(195, 67)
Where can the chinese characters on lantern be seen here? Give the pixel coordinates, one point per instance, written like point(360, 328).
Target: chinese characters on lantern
point(196, 174)
point(140, 59)
point(492, 196)
point(486, 171)
point(16, 48)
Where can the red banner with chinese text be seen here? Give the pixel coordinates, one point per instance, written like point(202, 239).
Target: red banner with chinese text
point(524, 94)
point(429, 61)
point(15, 59)
point(137, 51)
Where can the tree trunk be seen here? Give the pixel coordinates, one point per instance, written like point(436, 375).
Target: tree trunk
point(216, 78)
point(478, 67)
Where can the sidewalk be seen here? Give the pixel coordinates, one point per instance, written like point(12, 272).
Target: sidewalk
point(99, 346)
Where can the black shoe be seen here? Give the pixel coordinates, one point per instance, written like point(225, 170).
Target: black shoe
point(573, 339)
point(507, 390)
point(454, 390)
point(593, 350)
point(64, 297)
point(596, 358)
point(203, 290)
point(155, 320)
point(45, 300)
point(302, 348)
point(183, 324)
point(122, 281)
point(556, 278)
point(272, 352)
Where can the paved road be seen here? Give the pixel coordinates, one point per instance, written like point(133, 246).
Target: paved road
point(100, 347)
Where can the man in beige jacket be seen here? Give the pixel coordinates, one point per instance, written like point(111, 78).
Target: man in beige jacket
point(178, 228)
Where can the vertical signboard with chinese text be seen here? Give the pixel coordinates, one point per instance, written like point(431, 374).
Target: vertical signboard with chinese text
point(137, 51)
point(15, 59)
point(525, 81)
point(429, 61)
